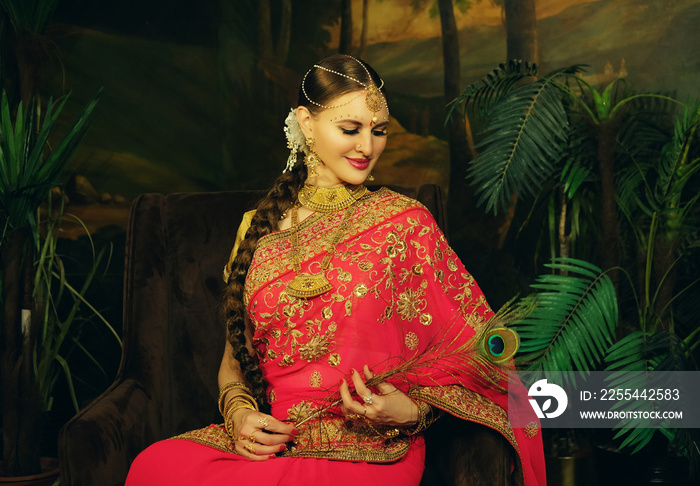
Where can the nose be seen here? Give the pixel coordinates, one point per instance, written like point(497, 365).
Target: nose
point(365, 146)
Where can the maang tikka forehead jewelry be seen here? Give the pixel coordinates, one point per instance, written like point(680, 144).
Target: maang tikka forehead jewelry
point(374, 99)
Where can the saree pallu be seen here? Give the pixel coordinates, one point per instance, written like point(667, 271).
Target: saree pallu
point(402, 303)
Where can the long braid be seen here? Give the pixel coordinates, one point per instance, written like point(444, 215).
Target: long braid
point(267, 216)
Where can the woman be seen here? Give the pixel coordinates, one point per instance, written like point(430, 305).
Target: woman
point(352, 325)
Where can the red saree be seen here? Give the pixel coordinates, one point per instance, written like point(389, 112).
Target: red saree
point(400, 297)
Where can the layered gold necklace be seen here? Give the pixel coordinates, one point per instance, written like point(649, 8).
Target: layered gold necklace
point(308, 285)
point(329, 199)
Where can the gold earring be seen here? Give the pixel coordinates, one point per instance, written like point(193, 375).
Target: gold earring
point(370, 177)
point(311, 160)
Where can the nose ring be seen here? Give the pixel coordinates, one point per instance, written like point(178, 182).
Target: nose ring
point(358, 146)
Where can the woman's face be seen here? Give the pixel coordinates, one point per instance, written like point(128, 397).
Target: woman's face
point(346, 144)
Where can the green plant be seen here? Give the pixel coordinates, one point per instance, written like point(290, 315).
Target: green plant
point(555, 138)
point(572, 324)
point(29, 168)
point(59, 333)
point(604, 157)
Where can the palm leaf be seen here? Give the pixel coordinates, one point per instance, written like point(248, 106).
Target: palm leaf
point(660, 351)
point(644, 131)
point(573, 175)
point(635, 437)
point(481, 95)
point(675, 169)
point(642, 352)
point(526, 132)
point(573, 322)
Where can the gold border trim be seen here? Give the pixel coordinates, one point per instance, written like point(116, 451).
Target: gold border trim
point(505, 430)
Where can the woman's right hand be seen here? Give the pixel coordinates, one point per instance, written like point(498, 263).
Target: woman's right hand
point(258, 436)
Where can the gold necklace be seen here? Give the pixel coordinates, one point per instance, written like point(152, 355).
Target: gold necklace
point(329, 199)
point(307, 285)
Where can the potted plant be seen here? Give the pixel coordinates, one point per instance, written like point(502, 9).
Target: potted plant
point(32, 282)
point(601, 164)
point(41, 319)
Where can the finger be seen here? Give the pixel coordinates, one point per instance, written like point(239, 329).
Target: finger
point(267, 439)
point(257, 452)
point(383, 387)
point(271, 424)
point(349, 405)
point(364, 393)
point(256, 421)
point(360, 386)
point(345, 396)
point(386, 388)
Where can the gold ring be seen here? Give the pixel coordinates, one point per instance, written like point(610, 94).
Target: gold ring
point(250, 448)
point(252, 438)
point(264, 422)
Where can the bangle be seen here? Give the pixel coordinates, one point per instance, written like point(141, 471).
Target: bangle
point(237, 394)
point(227, 388)
point(237, 400)
point(228, 418)
point(421, 423)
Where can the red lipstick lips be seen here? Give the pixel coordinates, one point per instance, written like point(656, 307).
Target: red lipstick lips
point(360, 164)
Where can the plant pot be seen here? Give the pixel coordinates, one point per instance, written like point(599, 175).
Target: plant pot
point(48, 476)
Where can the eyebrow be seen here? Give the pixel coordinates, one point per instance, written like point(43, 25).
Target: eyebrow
point(359, 123)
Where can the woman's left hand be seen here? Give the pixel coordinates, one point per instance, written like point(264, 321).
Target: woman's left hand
point(388, 406)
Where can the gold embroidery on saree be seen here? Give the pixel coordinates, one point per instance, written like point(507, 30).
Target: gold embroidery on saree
point(213, 436)
point(469, 405)
point(411, 340)
point(411, 303)
point(333, 437)
point(317, 347)
point(316, 379)
point(531, 429)
point(361, 290)
point(334, 359)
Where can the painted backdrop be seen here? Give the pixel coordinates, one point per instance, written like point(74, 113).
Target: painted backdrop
point(189, 105)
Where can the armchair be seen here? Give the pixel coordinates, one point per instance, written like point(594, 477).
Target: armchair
point(176, 248)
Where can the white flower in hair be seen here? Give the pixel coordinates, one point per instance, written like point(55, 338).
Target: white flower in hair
point(296, 140)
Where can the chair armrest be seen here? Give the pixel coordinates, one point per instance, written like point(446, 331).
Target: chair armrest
point(98, 445)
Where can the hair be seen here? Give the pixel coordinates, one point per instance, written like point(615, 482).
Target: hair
point(321, 86)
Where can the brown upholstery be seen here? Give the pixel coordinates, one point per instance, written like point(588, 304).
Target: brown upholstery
point(176, 248)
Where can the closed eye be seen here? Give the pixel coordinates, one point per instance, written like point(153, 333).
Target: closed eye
point(379, 133)
point(354, 131)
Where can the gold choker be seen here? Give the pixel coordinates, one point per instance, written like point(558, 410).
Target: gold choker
point(326, 200)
